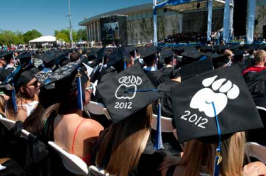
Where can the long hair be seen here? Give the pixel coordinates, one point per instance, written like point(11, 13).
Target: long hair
point(21, 98)
point(199, 157)
point(123, 144)
point(35, 123)
point(2, 104)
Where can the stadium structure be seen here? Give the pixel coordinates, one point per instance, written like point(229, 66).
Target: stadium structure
point(137, 26)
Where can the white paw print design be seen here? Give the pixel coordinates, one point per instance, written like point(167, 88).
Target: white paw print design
point(203, 99)
point(128, 87)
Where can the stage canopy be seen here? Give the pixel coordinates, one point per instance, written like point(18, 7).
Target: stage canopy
point(44, 39)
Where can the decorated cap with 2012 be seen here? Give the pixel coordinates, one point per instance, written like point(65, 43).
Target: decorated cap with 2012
point(223, 90)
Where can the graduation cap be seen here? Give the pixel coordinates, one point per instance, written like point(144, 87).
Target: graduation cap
point(128, 92)
point(191, 55)
point(7, 55)
point(25, 59)
point(116, 59)
point(207, 49)
point(167, 55)
point(130, 50)
point(238, 55)
point(48, 59)
point(196, 68)
point(148, 53)
point(220, 93)
point(220, 60)
point(68, 78)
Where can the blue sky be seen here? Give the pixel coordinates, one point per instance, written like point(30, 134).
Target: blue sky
point(46, 16)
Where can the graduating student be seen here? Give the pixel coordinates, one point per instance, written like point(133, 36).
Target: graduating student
point(260, 59)
point(73, 90)
point(128, 99)
point(149, 56)
point(212, 115)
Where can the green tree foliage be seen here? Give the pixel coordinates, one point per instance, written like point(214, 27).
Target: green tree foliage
point(66, 33)
point(8, 37)
point(62, 36)
point(31, 35)
point(82, 34)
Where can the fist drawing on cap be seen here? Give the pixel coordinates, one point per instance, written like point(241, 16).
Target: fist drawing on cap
point(127, 88)
point(219, 93)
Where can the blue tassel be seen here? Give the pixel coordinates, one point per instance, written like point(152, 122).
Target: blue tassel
point(14, 101)
point(79, 87)
point(101, 66)
point(218, 157)
point(159, 140)
point(125, 65)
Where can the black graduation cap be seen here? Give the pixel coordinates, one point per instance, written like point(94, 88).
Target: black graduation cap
point(48, 58)
point(167, 55)
point(220, 60)
point(25, 58)
point(130, 50)
point(222, 92)
point(238, 55)
point(23, 78)
point(207, 49)
point(196, 68)
point(191, 55)
point(65, 73)
point(148, 53)
point(116, 56)
point(7, 55)
point(100, 54)
point(127, 92)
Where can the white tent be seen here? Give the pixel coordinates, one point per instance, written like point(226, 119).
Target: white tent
point(44, 39)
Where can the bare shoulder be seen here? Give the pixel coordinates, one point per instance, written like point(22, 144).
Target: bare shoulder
point(91, 126)
point(255, 169)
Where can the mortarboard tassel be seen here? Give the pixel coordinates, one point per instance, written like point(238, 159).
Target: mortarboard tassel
point(218, 157)
point(159, 141)
point(125, 64)
point(80, 92)
point(14, 101)
point(101, 65)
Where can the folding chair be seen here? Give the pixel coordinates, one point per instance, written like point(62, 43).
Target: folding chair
point(95, 171)
point(256, 150)
point(71, 162)
point(10, 124)
point(97, 109)
point(166, 124)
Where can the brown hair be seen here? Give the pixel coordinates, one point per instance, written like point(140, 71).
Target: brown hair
point(199, 157)
point(124, 143)
point(2, 104)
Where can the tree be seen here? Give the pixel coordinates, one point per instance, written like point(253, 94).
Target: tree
point(62, 36)
point(66, 32)
point(8, 37)
point(29, 35)
point(82, 34)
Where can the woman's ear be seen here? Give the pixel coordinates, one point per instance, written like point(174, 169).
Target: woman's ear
point(21, 89)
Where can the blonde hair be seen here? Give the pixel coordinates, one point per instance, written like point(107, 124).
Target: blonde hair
point(259, 56)
point(122, 146)
point(199, 157)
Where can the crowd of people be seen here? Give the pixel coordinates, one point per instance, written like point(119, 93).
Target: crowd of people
point(187, 37)
point(210, 93)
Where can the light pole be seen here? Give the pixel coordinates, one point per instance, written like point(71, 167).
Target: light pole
point(70, 25)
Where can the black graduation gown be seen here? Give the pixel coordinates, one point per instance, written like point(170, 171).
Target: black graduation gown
point(256, 83)
point(157, 77)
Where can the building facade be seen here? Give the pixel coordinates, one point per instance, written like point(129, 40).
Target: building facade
point(190, 17)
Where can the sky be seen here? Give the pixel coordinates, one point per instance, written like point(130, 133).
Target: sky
point(46, 16)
